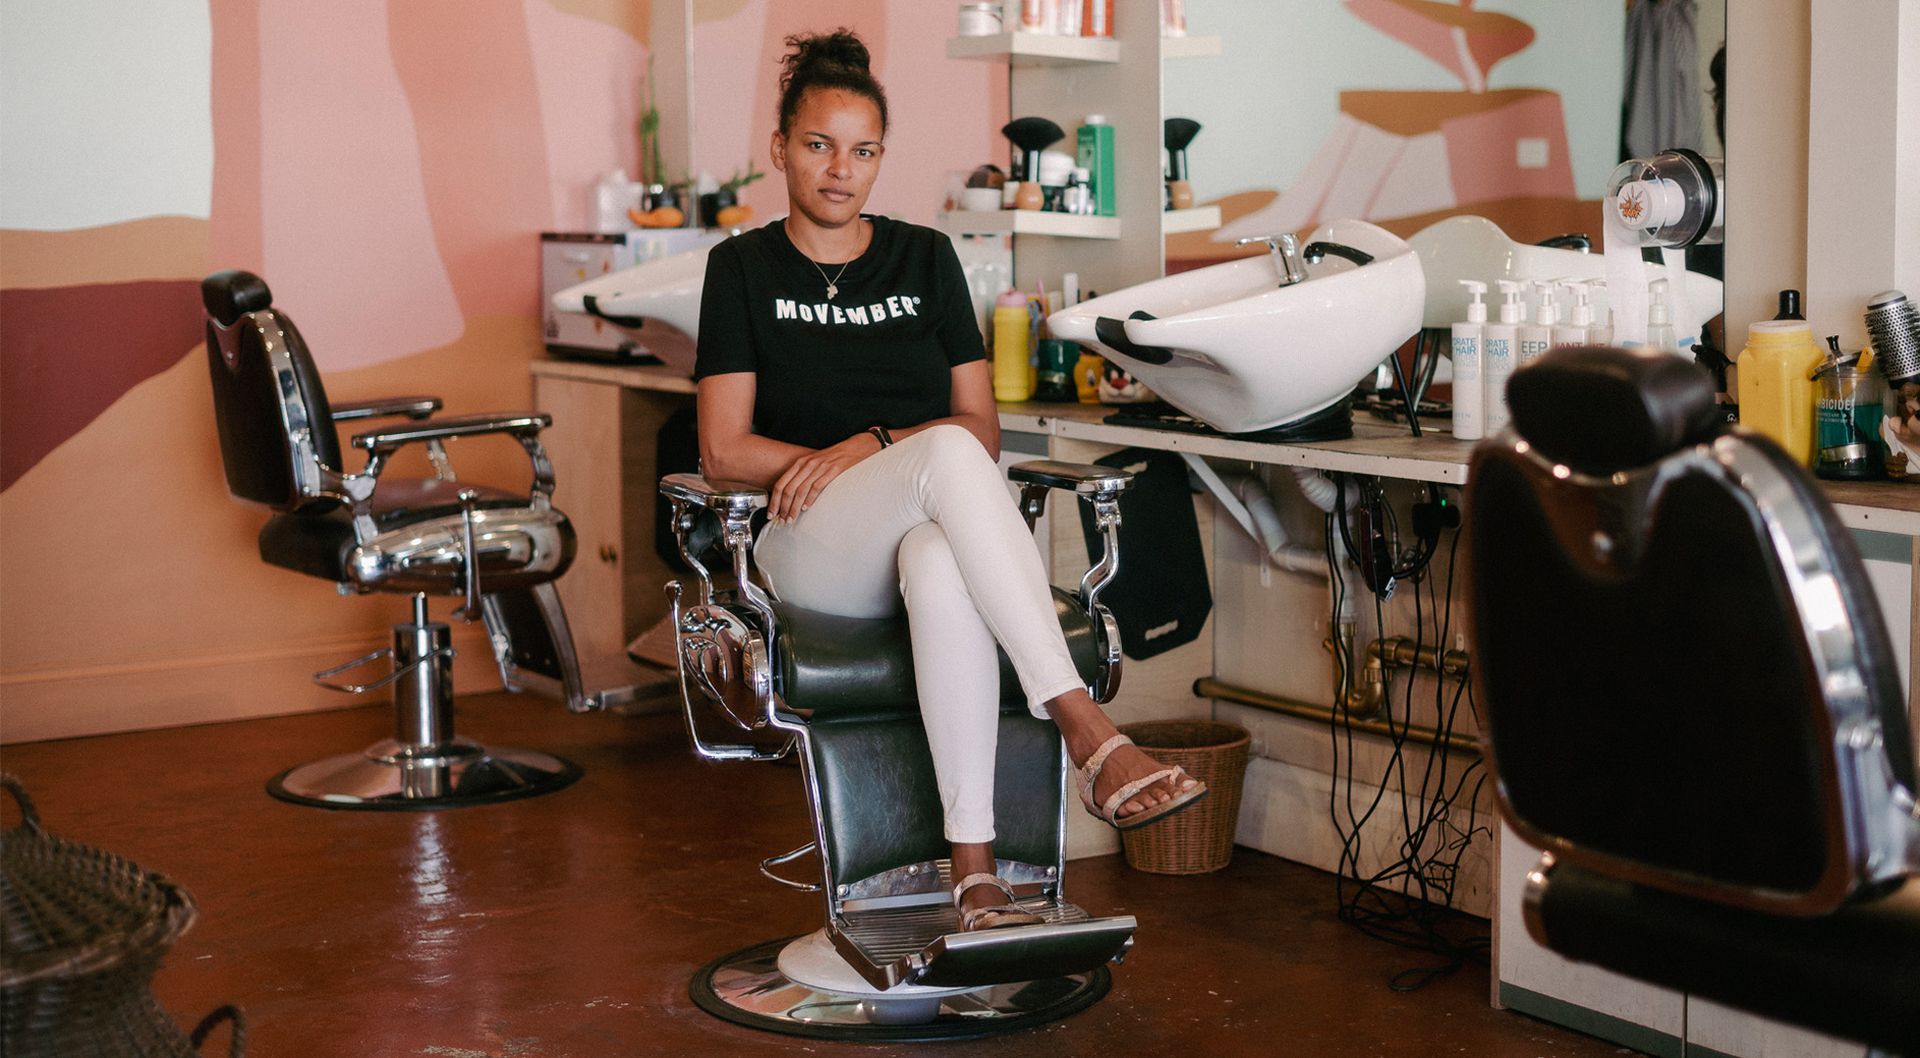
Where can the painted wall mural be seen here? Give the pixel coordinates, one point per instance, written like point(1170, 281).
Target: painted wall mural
point(386, 165)
point(1437, 126)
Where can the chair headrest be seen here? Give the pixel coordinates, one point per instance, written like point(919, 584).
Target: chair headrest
point(232, 294)
point(1601, 410)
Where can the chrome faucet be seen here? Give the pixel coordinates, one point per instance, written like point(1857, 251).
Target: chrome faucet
point(1286, 256)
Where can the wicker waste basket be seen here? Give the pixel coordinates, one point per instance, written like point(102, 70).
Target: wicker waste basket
point(81, 933)
point(1200, 838)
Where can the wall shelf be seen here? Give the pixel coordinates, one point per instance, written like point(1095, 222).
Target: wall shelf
point(1188, 47)
point(1035, 49)
point(1029, 222)
point(1199, 218)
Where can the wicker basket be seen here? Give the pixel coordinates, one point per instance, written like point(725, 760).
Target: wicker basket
point(1200, 838)
point(82, 932)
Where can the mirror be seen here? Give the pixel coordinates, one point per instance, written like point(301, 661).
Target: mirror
point(1405, 112)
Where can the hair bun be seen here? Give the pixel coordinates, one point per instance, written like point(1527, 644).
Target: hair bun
point(839, 48)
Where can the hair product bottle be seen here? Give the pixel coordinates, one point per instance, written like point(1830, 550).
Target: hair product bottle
point(1497, 355)
point(1469, 400)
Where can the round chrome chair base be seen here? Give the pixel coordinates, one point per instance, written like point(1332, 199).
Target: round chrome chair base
point(387, 777)
point(748, 988)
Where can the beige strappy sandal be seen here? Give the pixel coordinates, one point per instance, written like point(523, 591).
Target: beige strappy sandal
point(999, 916)
point(1106, 813)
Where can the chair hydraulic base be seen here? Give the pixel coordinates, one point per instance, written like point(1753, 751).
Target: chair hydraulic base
point(803, 987)
point(388, 776)
point(425, 766)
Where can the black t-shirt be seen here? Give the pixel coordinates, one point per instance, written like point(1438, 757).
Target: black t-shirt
point(879, 353)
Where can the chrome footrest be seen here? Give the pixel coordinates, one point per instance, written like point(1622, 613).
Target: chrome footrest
point(923, 945)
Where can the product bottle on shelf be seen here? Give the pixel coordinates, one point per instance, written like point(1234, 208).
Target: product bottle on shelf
point(1497, 355)
point(1578, 330)
point(1776, 388)
point(1469, 405)
point(1534, 339)
point(1660, 333)
point(1013, 375)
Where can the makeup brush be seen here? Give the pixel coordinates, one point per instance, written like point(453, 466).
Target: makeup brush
point(1179, 132)
point(1031, 136)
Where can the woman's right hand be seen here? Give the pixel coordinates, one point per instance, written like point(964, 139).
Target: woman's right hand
point(809, 475)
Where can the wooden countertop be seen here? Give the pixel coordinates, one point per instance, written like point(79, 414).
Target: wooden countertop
point(1377, 448)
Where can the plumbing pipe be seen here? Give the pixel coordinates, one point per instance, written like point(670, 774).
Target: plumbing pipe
point(1402, 652)
point(1208, 687)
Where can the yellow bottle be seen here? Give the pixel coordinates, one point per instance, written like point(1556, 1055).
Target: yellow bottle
point(1776, 394)
point(1013, 376)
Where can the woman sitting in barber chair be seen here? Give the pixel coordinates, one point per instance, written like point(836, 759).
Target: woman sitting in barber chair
point(840, 365)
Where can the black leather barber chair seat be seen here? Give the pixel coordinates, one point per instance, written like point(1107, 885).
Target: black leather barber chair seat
point(1691, 703)
point(761, 679)
point(369, 532)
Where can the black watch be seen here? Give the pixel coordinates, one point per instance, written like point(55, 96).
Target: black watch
point(881, 435)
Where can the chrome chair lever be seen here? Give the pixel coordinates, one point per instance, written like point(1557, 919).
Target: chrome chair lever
point(469, 502)
point(362, 688)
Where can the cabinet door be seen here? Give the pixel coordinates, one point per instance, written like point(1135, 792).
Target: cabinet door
point(1536, 981)
point(584, 444)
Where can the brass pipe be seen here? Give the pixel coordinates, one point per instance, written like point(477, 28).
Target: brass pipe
point(1403, 652)
point(1208, 687)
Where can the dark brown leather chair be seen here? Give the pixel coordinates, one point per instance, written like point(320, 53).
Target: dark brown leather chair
point(1691, 703)
point(499, 551)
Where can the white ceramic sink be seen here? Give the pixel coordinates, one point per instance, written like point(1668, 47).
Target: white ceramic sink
point(1232, 347)
point(1475, 248)
point(665, 289)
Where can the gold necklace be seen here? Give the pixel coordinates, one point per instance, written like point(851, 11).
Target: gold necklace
point(833, 285)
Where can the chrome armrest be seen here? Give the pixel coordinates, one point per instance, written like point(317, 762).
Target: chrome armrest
point(520, 424)
point(1100, 487)
point(524, 427)
point(734, 503)
point(387, 407)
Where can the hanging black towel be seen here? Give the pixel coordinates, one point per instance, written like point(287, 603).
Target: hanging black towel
point(1161, 597)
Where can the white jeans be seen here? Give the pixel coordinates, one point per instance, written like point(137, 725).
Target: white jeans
point(930, 520)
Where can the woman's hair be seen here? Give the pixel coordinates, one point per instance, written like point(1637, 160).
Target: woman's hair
point(827, 60)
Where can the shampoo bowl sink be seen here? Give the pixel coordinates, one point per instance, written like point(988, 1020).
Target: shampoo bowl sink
point(1232, 347)
point(1468, 247)
point(665, 289)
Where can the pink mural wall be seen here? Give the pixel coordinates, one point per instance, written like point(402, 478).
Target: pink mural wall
point(945, 114)
point(387, 166)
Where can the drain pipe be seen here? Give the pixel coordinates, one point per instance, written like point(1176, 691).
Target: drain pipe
point(1246, 500)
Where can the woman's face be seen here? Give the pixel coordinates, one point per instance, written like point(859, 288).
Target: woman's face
point(830, 155)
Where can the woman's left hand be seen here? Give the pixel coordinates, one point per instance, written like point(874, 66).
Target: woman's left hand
point(802, 482)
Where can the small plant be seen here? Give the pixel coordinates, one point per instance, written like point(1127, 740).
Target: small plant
point(740, 180)
point(652, 167)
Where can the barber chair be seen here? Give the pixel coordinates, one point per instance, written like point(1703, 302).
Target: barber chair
point(498, 551)
point(1691, 704)
point(761, 679)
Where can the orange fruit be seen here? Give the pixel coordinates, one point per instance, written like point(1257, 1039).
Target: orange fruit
point(733, 216)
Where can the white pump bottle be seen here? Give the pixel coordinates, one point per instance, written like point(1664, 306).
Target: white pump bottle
point(1578, 330)
point(1469, 398)
point(1537, 337)
point(1660, 335)
point(1497, 354)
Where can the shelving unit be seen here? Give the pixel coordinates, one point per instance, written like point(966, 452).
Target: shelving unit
point(1199, 218)
point(1035, 49)
point(1031, 222)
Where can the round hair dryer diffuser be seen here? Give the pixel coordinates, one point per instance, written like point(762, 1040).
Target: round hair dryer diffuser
point(1675, 198)
point(1179, 132)
point(1031, 136)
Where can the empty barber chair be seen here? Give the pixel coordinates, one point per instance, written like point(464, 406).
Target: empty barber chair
point(368, 532)
point(761, 679)
point(1691, 703)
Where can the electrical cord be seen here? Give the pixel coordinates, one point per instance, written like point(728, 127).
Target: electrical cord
point(1408, 899)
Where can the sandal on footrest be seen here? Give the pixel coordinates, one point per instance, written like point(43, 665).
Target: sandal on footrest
point(1090, 773)
point(999, 916)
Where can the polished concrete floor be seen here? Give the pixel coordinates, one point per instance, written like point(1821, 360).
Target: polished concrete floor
point(568, 925)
